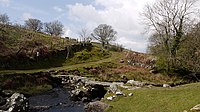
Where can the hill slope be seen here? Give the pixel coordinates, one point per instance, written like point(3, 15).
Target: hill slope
point(16, 39)
point(25, 49)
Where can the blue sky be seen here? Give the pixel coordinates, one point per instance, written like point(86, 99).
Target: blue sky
point(123, 15)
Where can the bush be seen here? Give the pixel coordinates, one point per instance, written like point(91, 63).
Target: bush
point(83, 55)
point(116, 47)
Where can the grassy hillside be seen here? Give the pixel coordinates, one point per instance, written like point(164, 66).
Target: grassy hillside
point(19, 47)
point(15, 38)
point(175, 99)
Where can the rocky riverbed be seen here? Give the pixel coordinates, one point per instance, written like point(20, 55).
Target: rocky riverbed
point(72, 94)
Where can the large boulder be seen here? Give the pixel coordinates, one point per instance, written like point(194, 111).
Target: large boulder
point(166, 86)
point(113, 88)
point(96, 106)
point(16, 103)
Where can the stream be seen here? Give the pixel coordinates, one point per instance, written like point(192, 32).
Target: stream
point(56, 100)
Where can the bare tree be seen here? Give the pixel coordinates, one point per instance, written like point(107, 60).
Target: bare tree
point(85, 35)
point(54, 28)
point(104, 33)
point(33, 24)
point(4, 19)
point(169, 19)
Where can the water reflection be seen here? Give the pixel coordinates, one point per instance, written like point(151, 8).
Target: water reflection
point(57, 100)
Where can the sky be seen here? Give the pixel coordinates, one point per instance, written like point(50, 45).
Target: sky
point(123, 15)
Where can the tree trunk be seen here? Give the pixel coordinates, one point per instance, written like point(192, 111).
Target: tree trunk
point(103, 44)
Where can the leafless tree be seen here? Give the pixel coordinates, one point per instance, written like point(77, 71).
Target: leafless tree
point(104, 33)
point(54, 28)
point(85, 35)
point(33, 24)
point(169, 20)
point(4, 19)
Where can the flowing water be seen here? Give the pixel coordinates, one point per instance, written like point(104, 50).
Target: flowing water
point(57, 100)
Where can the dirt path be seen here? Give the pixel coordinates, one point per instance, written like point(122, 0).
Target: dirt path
point(114, 57)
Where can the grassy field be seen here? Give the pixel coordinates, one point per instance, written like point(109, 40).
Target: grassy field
point(175, 99)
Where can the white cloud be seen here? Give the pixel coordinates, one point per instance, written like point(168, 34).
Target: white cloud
point(4, 2)
point(137, 45)
point(83, 12)
point(58, 9)
point(68, 33)
point(123, 15)
point(26, 16)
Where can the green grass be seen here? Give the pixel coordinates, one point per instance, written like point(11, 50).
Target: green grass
point(85, 56)
point(175, 99)
point(16, 37)
point(31, 90)
point(115, 56)
point(18, 47)
point(150, 78)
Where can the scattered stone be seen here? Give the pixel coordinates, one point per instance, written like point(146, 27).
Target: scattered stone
point(136, 83)
point(121, 61)
point(149, 86)
point(85, 99)
point(166, 86)
point(83, 89)
point(119, 93)
point(110, 98)
point(153, 71)
point(96, 106)
point(16, 103)
point(7, 93)
point(196, 108)
point(130, 94)
point(134, 88)
point(125, 87)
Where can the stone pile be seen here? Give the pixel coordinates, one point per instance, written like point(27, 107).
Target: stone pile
point(81, 88)
point(13, 102)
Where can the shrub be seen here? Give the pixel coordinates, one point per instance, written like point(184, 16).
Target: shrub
point(116, 47)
